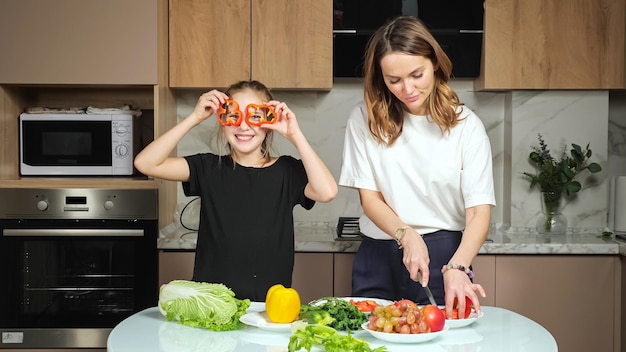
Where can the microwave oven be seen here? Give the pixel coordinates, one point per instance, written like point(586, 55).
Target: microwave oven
point(77, 144)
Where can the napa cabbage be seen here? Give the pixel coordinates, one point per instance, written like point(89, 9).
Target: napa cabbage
point(200, 304)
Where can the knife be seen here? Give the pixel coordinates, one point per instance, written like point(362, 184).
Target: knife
point(428, 293)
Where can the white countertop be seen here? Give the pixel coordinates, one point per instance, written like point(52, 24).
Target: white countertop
point(498, 330)
point(322, 237)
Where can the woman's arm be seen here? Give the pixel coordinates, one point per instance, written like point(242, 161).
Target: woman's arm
point(155, 160)
point(415, 253)
point(456, 282)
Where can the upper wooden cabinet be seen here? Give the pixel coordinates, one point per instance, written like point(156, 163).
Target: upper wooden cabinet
point(553, 44)
point(282, 43)
point(78, 42)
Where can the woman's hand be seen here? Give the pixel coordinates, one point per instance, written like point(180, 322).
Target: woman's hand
point(458, 285)
point(286, 123)
point(415, 255)
point(208, 104)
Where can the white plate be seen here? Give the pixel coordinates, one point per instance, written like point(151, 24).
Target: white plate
point(404, 338)
point(261, 321)
point(459, 323)
point(256, 307)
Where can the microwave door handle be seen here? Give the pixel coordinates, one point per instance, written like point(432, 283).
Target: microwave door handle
point(72, 232)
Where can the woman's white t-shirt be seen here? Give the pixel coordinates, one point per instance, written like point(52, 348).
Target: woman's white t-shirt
point(427, 177)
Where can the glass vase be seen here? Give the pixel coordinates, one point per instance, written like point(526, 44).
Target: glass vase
point(551, 221)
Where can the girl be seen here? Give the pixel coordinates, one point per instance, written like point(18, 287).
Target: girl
point(246, 232)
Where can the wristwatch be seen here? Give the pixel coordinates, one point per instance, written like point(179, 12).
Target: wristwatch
point(400, 232)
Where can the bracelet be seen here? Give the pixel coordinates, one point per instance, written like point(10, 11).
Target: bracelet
point(449, 266)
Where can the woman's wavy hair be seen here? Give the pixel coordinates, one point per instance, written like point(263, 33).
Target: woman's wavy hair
point(409, 35)
point(263, 91)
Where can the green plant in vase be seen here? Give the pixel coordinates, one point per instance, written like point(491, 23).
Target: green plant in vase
point(556, 177)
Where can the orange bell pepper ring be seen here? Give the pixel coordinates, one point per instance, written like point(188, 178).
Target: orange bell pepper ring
point(229, 114)
point(256, 115)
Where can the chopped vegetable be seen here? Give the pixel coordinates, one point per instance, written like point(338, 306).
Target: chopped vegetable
point(307, 336)
point(317, 317)
point(282, 304)
point(365, 306)
point(201, 304)
point(346, 316)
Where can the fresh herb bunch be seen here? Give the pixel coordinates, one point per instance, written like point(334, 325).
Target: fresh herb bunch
point(334, 312)
point(557, 175)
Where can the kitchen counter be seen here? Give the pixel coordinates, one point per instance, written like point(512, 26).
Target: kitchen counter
point(498, 330)
point(322, 237)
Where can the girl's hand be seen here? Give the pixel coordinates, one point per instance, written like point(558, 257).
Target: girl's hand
point(208, 104)
point(286, 123)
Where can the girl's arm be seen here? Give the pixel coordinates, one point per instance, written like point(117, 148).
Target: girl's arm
point(322, 186)
point(155, 160)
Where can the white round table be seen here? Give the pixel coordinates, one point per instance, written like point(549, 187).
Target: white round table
point(496, 331)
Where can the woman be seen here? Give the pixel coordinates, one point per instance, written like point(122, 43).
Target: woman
point(246, 234)
point(421, 162)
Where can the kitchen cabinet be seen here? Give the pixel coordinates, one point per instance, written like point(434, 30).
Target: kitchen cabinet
point(175, 265)
point(342, 274)
point(549, 44)
point(573, 296)
point(58, 350)
point(313, 275)
point(107, 83)
point(484, 267)
point(78, 42)
point(281, 43)
point(621, 322)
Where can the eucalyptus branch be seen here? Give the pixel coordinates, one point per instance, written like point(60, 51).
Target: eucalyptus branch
point(558, 175)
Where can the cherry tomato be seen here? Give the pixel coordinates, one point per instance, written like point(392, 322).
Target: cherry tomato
point(433, 317)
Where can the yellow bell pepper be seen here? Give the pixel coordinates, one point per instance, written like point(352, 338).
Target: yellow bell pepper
point(282, 304)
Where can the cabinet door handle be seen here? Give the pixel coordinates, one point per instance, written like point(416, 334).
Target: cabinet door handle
point(73, 232)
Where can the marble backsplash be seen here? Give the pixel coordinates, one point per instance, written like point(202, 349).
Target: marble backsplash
point(512, 119)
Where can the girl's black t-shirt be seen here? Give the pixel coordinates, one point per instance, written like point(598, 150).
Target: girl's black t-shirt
point(246, 230)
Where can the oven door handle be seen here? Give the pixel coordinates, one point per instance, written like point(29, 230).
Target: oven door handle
point(72, 232)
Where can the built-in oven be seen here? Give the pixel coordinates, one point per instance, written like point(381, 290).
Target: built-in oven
point(74, 263)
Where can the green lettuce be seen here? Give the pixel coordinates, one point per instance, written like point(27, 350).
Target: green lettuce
point(201, 304)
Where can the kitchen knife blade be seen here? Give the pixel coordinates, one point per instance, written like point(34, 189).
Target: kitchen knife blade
point(428, 293)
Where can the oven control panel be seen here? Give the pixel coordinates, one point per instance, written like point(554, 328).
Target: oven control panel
point(78, 203)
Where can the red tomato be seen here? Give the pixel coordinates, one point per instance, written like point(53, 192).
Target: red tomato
point(433, 317)
point(468, 308)
point(455, 309)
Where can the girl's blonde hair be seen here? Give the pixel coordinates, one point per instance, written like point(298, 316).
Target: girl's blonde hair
point(263, 92)
point(409, 35)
